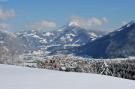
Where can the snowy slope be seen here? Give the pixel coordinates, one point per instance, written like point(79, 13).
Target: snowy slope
point(12, 77)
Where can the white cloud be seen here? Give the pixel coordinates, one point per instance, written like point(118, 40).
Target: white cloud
point(87, 23)
point(6, 14)
point(41, 25)
point(4, 26)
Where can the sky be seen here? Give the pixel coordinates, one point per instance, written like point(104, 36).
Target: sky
point(17, 15)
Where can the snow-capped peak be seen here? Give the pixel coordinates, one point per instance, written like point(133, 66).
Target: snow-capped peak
point(73, 23)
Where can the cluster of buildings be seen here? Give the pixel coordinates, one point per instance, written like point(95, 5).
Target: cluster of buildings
point(67, 63)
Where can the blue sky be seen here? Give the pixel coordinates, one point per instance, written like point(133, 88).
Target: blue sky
point(59, 11)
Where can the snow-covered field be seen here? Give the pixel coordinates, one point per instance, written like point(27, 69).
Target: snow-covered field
point(13, 77)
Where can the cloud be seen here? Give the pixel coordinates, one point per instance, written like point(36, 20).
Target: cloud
point(7, 14)
point(4, 26)
point(41, 25)
point(87, 23)
point(124, 22)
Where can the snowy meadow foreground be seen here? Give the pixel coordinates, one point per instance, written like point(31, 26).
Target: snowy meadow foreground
point(13, 77)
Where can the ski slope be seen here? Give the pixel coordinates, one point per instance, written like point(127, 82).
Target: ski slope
point(13, 77)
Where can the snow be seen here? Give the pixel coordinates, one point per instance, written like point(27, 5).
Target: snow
point(33, 35)
point(43, 41)
point(130, 23)
point(71, 34)
point(13, 77)
point(68, 45)
point(76, 41)
point(132, 57)
point(127, 25)
point(63, 38)
point(73, 23)
point(36, 36)
point(120, 29)
point(93, 34)
point(48, 34)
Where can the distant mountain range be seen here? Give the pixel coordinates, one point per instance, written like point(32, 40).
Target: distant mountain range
point(72, 39)
point(52, 42)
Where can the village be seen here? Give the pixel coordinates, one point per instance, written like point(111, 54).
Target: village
point(120, 67)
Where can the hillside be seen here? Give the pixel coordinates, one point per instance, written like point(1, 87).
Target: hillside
point(120, 43)
point(13, 77)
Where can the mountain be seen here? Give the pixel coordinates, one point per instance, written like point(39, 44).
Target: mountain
point(57, 41)
point(10, 48)
point(71, 37)
point(120, 43)
point(10, 42)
